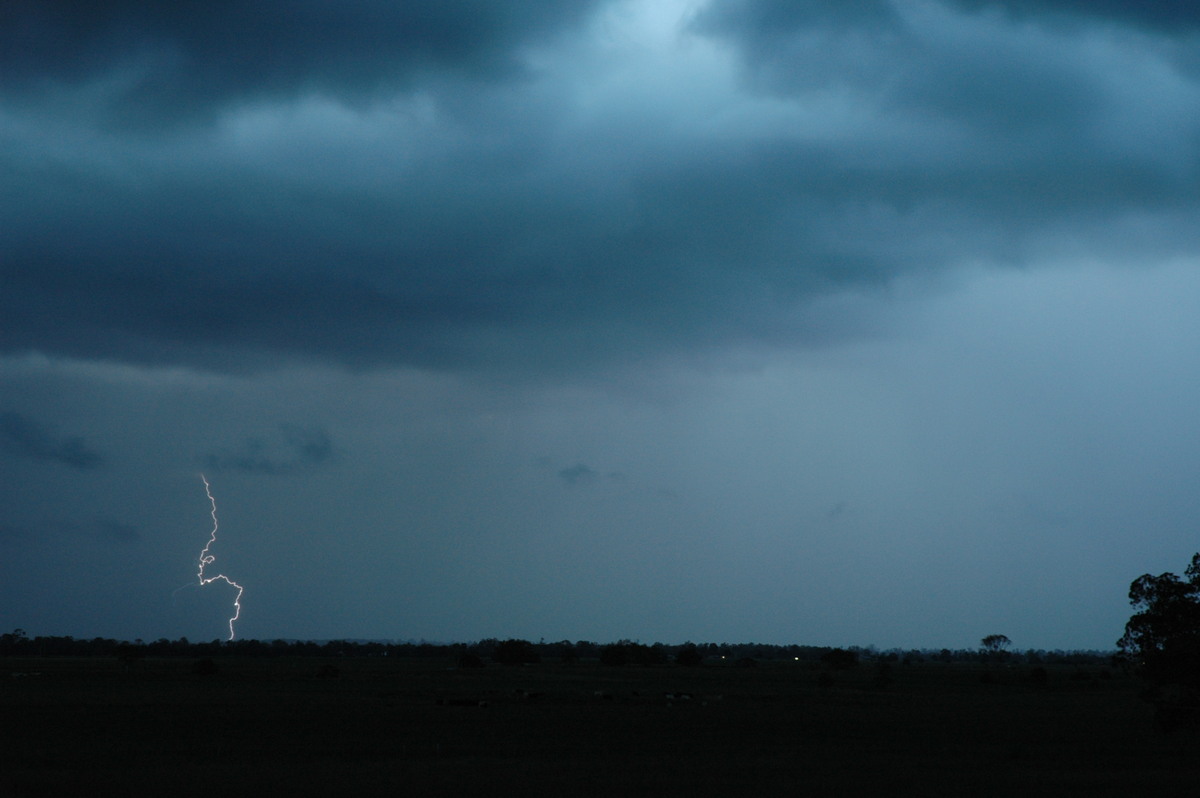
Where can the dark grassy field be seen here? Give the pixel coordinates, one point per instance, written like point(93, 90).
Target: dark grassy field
point(383, 726)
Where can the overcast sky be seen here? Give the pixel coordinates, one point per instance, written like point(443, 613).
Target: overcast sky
point(743, 320)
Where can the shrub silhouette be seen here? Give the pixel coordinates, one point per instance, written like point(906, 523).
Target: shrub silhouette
point(625, 652)
point(839, 659)
point(689, 655)
point(515, 652)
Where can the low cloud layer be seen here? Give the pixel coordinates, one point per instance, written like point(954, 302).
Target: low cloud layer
point(291, 450)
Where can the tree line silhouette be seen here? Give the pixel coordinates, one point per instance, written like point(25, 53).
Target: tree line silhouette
point(517, 651)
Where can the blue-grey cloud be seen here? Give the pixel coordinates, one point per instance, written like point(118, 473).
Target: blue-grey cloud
point(97, 530)
point(12, 534)
point(293, 449)
point(117, 532)
point(25, 437)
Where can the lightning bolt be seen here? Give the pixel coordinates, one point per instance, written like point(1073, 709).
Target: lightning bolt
point(207, 559)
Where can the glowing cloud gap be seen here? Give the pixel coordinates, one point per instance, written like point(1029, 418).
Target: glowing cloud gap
point(207, 559)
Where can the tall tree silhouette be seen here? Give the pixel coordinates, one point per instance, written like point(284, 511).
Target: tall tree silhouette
point(1162, 639)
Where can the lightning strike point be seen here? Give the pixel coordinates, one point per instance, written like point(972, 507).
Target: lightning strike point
point(207, 559)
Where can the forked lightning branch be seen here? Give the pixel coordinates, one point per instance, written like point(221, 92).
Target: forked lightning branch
point(207, 559)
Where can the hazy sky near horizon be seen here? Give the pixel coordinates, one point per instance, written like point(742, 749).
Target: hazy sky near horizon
point(739, 320)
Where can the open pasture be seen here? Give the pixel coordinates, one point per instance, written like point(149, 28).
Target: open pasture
point(388, 726)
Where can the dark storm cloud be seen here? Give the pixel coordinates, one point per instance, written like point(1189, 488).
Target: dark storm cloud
point(26, 437)
point(450, 271)
point(776, 18)
point(292, 450)
point(410, 217)
point(166, 61)
point(1021, 139)
point(1169, 16)
point(578, 474)
point(583, 474)
point(996, 81)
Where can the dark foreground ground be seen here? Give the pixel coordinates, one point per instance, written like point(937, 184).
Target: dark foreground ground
point(380, 726)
